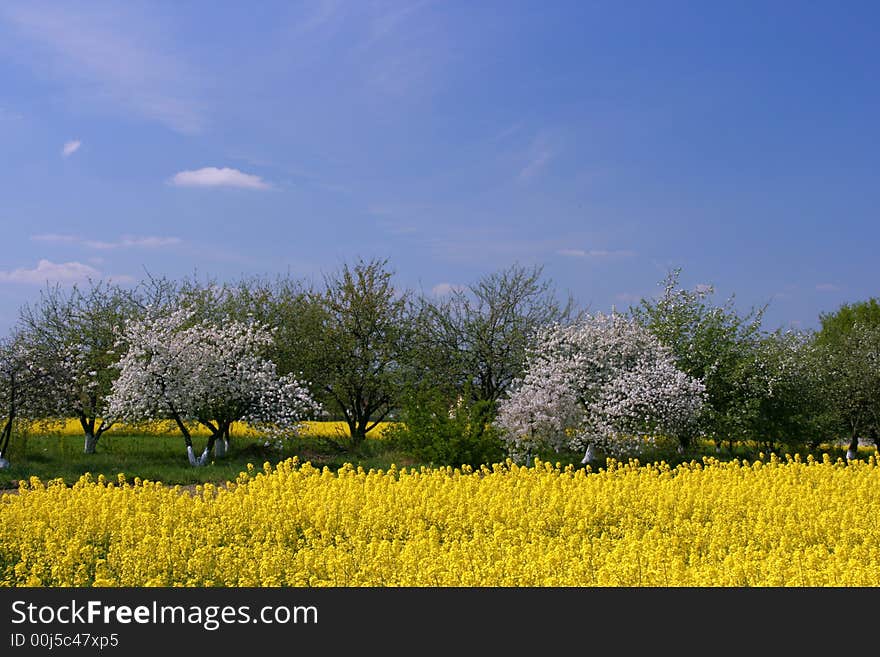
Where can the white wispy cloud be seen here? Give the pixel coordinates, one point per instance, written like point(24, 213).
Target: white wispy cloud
point(9, 115)
point(595, 253)
point(704, 288)
point(70, 148)
point(827, 287)
point(134, 242)
point(115, 56)
point(47, 271)
point(445, 289)
point(214, 177)
point(536, 164)
point(125, 242)
point(54, 237)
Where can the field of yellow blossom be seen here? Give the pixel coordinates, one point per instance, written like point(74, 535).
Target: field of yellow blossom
point(776, 522)
point(72, 427)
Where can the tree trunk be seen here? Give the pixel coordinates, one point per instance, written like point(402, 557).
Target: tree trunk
point(852, 451)
point(7, 428)
point(221, 447)
point(90, 443)
point(358, 433)
point(589, 455)
point(194, 460)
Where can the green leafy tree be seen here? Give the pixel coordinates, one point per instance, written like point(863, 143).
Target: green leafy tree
point(783, 397)
point(713, 343)
point(849, 346)
point(358, 356)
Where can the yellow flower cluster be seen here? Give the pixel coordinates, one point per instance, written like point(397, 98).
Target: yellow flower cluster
point(776, 522)
point(72, 427)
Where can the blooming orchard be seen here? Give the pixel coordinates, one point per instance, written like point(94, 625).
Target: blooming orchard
point(601, 382)
point(213, 374)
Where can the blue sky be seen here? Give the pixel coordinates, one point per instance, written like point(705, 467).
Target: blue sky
point(607, 141)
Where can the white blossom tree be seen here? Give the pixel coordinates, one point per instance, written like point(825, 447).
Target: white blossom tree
point(74, 334)
point(22, 389)
point(602, 382)
point(208, 373)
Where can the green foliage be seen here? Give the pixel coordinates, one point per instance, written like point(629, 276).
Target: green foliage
point(782, 392)
point(838, 325)
point(848, 345)
point(440, 431)
point(359, 351)
point(713, 343)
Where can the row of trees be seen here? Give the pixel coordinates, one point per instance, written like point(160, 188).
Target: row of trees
point(501, 366)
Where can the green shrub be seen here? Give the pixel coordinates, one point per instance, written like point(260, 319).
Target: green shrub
point(438, 431)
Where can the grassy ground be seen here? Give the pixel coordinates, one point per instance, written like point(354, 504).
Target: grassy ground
point(163, 457)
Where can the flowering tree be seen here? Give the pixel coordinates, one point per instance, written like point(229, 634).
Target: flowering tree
point(22, 388)
point(74, 334)
point(601, 382)
point(206, 373)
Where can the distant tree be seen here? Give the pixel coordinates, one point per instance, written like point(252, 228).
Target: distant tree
point(22, 388)
point(712, 343)
point(849, 346)
point(835, 326)
point(783, 397)
point(602, 382)
point(202, 372)
point(74, 334)
point(358, 336)
point(475, 341)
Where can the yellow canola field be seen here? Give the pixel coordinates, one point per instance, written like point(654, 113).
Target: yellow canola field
point(72, 427)
point(767, 523)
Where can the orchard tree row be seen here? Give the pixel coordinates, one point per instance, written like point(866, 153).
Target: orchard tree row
point(500, 367)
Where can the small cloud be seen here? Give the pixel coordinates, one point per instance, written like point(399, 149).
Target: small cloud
point(596, 253)
point(536, 164)
point(70, 148)
point(214, 177)
point(827, 287)
point(8, 115)
point(445, 289)
point(125, 242)
point(136, 242)
point(626, 297)
point(54, 237)
point(703, 288)
point(51, 272)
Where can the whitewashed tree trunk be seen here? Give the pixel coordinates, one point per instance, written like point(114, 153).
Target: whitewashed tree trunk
point(589, 455)
point(4, 464)
point(220, 448)
point(89, 447)
point(851, 454)
point(191, 455)
point(680, 449)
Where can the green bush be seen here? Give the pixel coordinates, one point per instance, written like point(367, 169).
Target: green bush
point(438, 431)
